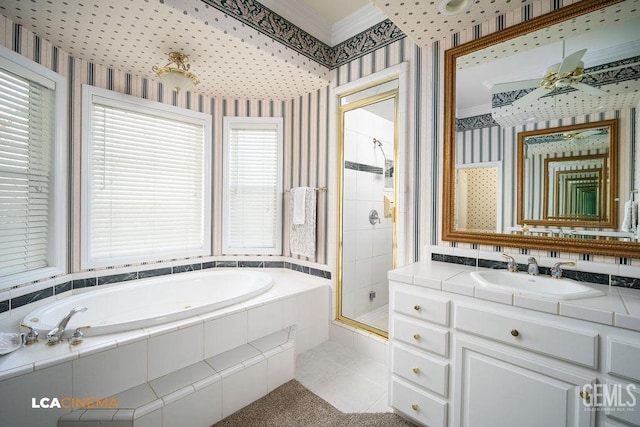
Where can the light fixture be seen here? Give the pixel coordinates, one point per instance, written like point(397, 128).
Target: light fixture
point(179, 77)
point(454, 7)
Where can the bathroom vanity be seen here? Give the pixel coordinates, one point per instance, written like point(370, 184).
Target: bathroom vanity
point(462, 354)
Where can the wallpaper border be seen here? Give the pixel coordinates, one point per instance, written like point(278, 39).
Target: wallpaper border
point(269, 23)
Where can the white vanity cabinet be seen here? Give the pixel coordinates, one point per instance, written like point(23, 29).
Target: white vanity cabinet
point(419, 325)
point(457, 360)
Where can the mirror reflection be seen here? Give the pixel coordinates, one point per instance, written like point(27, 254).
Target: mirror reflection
point(568, 176)
point(576, 67)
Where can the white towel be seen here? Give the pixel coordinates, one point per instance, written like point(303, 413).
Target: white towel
point(299, 197)
point(634, 217)
point(302, 237)
point(627, 222)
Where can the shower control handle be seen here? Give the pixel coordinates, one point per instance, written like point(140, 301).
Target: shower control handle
point(374, 218)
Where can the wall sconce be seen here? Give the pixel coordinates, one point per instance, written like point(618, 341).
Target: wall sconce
point(178, 78)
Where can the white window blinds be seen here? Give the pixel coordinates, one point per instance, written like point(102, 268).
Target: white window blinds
point(27, 174)
point(252, 223)
point(147, 183)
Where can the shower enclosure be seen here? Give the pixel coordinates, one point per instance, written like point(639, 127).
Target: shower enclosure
point(367, 237)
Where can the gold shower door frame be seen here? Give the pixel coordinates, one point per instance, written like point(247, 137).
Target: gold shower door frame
point(342, 109)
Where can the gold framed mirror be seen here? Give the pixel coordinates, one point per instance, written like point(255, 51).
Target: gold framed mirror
point(564, 67)
point(568, 176)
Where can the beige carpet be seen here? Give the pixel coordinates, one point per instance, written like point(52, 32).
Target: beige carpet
point(292, 405)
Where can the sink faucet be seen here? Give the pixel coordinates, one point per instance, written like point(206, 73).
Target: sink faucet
point(532, 269)
point(556, 271)
point(55, 335)
point(512, 265)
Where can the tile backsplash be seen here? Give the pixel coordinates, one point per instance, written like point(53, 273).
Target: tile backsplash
point(581, 276)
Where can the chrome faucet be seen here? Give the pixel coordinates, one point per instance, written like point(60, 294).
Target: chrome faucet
point(512, 265)
point(55, 335)
point(556, 271)
point(533, 268)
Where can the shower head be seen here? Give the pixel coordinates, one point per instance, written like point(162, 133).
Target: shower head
point(378, 144)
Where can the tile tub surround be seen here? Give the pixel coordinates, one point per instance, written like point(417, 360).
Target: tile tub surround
point(194, 395)
point(20, 296)
point(618, 307)
point(106, 365)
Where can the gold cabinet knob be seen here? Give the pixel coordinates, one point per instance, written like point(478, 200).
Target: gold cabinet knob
point(585, 395)
point(515, 332)
point(416, 336)
point(416, 370)
point(416, 307)
point(415, 406)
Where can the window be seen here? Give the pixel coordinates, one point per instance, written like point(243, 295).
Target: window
point(146, 180)
point(32, 170)
point(252, 221)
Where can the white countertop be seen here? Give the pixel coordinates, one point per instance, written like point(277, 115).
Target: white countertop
point(618, 306)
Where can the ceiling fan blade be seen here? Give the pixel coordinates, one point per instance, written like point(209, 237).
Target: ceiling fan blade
point(591, 90)
point(511, 86)
point(588, 133)
point(530, 97)
point(571, 62)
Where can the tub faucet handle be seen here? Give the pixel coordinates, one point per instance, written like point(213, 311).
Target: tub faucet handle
point(31, 337)
point(78, 336)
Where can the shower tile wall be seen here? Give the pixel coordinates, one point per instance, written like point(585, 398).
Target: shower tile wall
point(367, 248)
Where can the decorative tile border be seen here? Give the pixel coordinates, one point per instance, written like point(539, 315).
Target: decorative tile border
point(363, 168)
point(32, 297)
point(580, 276)
point(264, 20)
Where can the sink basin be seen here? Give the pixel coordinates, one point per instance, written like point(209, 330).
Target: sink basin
point(543, 286)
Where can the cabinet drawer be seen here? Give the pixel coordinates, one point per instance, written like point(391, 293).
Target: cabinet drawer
point(624, 359)
point(575, 346)
point(434, 310)
point(427, 410)
point(421, 369)
point(425, 337)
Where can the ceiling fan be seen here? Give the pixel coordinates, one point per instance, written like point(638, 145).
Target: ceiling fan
point(583, 135)
point(563, 74)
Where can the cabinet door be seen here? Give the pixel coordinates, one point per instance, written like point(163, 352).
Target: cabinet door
point(501, 388)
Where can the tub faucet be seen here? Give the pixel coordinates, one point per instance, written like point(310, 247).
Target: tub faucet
point(533, 268)
point(55, 335)
point(556, 271)
point(512, 265)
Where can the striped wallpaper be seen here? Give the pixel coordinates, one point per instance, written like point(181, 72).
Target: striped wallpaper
point(305, 129)
point(307, 122)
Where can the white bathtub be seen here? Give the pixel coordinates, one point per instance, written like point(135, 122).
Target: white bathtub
point(152, 301)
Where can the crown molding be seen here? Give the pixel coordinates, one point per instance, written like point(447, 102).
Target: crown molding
point(360, 20)
point(296, 11)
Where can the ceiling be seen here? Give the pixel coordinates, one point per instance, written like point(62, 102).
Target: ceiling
point(232, 59)
point(608, 36)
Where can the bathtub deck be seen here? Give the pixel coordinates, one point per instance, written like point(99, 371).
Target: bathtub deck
point(109, 364)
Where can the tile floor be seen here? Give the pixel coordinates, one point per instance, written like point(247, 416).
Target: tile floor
point(346, 379)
